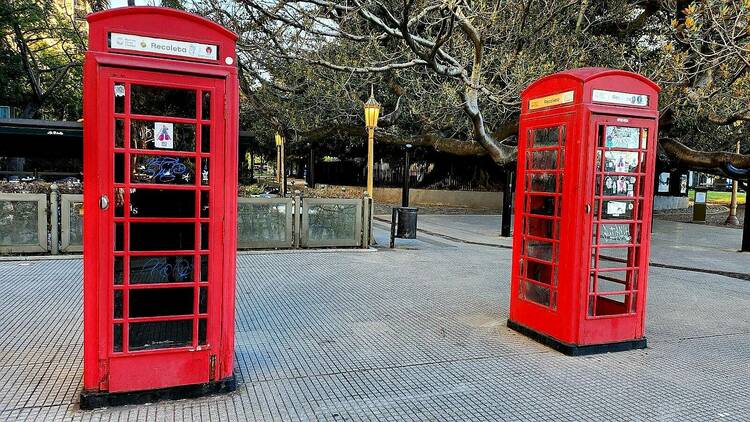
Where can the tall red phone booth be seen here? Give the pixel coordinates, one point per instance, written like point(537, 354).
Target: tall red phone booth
point(160, 153)
point(586, 154)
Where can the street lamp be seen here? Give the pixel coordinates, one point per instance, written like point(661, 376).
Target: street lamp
point(372, 110)
point(280, 176)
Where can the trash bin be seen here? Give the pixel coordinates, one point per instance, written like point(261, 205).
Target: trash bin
point(699, 205)
point(403, 223)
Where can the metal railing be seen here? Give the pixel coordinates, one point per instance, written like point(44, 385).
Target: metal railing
point(23, 223)
point(331, 223)
point(53, 223)
point(71, 223)
point(265, 223)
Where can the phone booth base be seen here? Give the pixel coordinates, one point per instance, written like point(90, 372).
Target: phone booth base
point(584, 196)
point(160, 199)
point(95, 400)
point(574, 349)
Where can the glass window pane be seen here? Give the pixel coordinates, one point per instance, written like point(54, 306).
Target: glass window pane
point(117, 338)
point(203, 300)
point(621, 161)
point(119, 133)
point(617, 233)
point(613, 281)
point(621, 137)
point(539, 249)
point(119, 236)
point(202, 332)
point(542, 160)
point(161, 269)
point(542, 227)
point(161, 101)
point(119, 270)
point(545, 137)
point(618, 185)
point(145, 134)
point(205, 138)
point(119, 168)
point(611, 305)
point(543, 182)
point(204, 171)
point(162, 170)
point(205, 204)
point(117, 307)
point(160, 302)
point(541, 205)
point(206, 105)
point(204, 236)
point(162, 203)
point(617, 210)
point(160, 335)
point(119, 93)
point(162, 236)
point(536, 293)
point(539, 271)
point(204, 268)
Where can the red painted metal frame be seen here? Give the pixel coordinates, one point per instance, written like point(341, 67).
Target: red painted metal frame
point(104, 369)
point(567, 320)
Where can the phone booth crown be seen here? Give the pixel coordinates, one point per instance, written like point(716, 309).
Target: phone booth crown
point(585, 171)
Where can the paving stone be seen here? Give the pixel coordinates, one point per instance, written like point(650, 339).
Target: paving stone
point(412, 335)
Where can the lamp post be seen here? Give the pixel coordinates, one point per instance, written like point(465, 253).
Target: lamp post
point(407, 178)
point(372, 110)
point(281, 171)
point(732, 218)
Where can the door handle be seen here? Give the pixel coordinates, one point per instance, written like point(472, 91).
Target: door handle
point(104, 202)
point(587, 208)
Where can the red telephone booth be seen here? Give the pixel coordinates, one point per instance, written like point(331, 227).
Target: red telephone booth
point(586, 154)
point(160, 154)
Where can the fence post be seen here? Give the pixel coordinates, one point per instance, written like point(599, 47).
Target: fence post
point(746, 226)
point(506, 223)
point(54, 220)
point(297, 225)
point(366, 222)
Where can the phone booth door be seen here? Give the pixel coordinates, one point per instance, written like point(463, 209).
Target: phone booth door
point(618, 189)
point(162, 200)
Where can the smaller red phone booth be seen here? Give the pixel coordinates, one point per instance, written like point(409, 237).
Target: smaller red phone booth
point(586, 154)
point(160, 159)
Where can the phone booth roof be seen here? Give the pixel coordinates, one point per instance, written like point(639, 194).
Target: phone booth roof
point(583, 82)
point(162, 24)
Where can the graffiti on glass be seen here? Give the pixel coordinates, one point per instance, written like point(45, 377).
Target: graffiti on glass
point(615, 233)
point(165, 169)
point(159, 269)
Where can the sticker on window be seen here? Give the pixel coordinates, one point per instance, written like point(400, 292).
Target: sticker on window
point(615, 209)
point(163, 135)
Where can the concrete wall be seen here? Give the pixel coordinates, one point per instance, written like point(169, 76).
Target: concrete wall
point(437, 198)
point(670, 202)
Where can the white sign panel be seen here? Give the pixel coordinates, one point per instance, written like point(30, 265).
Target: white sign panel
point(138, 43)
point(164, 135)
point(700, 197)
point(622, 98)
point(616, 209)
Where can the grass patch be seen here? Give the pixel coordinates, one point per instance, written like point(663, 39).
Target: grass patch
point(720, 197)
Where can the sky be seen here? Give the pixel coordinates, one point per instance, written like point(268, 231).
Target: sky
point(122, 3)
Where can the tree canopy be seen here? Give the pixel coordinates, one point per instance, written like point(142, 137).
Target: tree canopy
point(448, 73)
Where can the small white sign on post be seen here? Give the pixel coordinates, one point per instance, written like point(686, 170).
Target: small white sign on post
point(163, 135)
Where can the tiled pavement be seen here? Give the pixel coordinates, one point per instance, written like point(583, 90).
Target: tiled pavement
point(411, 334)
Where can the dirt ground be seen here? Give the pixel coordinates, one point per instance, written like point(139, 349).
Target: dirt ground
point(716, 215)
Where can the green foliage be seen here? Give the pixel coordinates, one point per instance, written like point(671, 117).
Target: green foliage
point(41, 49)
